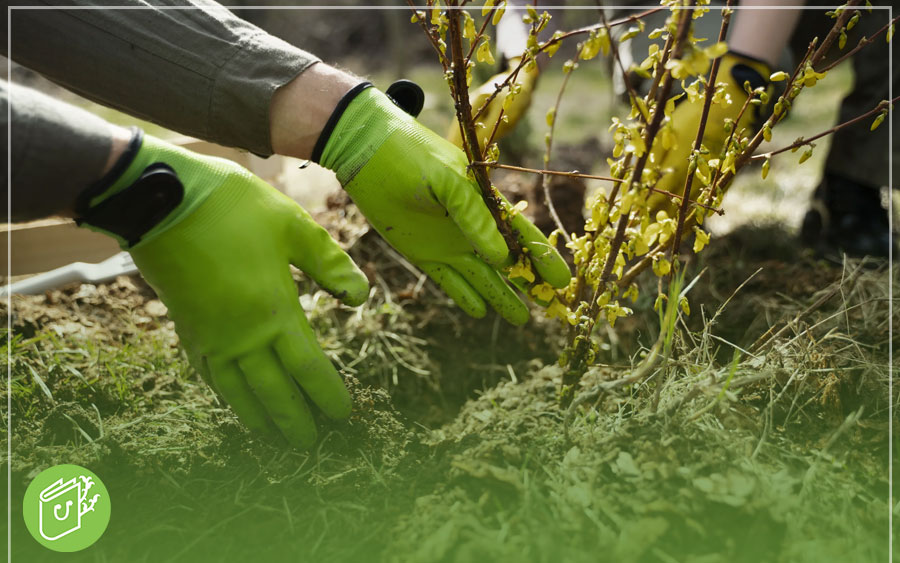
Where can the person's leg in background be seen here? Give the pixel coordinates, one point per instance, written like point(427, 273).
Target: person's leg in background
point(847, 213)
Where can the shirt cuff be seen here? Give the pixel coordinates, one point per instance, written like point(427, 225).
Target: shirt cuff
point(243, 90)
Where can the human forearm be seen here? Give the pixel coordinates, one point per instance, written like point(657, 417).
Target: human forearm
point(301, 109)
point(763, 33)
point(203, 72)
point(56, 151)
point(512, 33)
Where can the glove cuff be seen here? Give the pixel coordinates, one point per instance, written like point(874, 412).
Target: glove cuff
point(151, 187)
point(363, 125)
point(749, 69)
point(333, 120)
point(748, 58)
point(85, 199)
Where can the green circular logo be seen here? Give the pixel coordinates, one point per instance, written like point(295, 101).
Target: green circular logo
point(66, 508)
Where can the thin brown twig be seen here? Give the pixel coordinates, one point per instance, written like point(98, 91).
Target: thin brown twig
point(480, 34)
point(839, 24)
point(589, 28)
point(497, 123)
point(499, 87)
point(660, 67)
point(614, 47)
point(545, 188)
point(701, 129)
point(470, 137)
point(423, 22)
point(862, 43)
point(552, 41)
point(576, 174)
point(806, 141)
point(715, 180)
point(513, 75)
point(615, 191)
point(641, 265)
point(573, 174)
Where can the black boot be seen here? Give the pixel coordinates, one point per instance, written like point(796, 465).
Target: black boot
point(847, 217)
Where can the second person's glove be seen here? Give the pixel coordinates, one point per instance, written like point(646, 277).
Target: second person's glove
point(734, 71)
point(513, 112)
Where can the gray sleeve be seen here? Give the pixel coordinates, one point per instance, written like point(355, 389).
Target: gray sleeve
point(189, 65)
point(56, 150)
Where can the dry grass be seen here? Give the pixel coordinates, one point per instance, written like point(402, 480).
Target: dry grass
point(776, 453)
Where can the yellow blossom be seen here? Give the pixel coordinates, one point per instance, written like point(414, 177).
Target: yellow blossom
point(543, 292)
point(522, 269)
point(701, 239)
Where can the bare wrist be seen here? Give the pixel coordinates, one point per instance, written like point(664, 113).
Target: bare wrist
point(120, 137)
point(764, 33)
point(301, 108)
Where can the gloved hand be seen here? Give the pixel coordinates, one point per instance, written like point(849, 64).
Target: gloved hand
point(734, 70)
point(514, 111)
point(412, 186)
point(216, 243)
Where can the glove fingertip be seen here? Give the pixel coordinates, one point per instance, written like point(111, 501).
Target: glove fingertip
point(338, 406)
point(355, 291)
point(343, 411)
point(516, 316)
point(475, 309)
point(493, 250)
point(459, 290)
point(305, 440)
point(546, 259)
point(554, 270)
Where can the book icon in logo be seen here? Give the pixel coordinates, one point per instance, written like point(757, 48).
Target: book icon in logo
point(63, 504)
point(66, 507)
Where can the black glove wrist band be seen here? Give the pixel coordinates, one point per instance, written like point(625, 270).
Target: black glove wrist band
point(133, 211)
point(83, 201)
point(745, 73)
point(407, 95)
point(332, 122)
point(748, 57)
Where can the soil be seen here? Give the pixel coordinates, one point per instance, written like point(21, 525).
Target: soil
point(762, 436)
point(468, 456)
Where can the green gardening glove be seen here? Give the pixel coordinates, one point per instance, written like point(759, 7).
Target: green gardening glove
point(412, 186)
point(734, 71)
point(513, 111)
point(216, 243)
